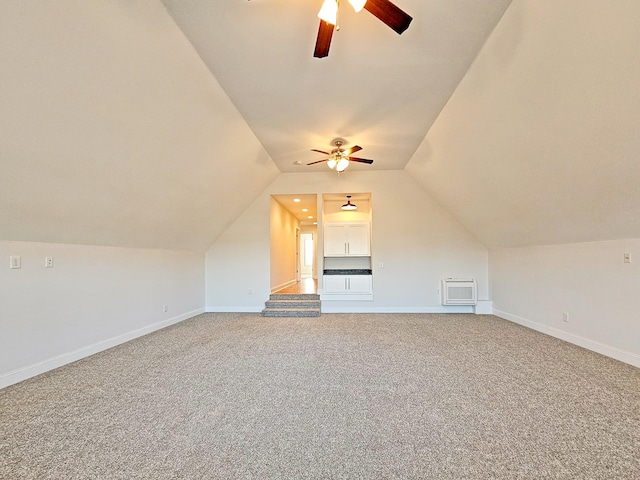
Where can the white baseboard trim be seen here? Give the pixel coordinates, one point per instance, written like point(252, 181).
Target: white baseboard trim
point(598, 347)
point(243, 309)
point(283, 285)
point(29, 371)
point(443, 309)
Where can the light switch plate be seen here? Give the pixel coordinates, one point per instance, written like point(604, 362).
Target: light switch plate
point(15, 261)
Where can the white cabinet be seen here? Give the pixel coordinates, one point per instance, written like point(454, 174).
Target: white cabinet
point(347, 239)
point(335, 284)
point(347, 284)
point(359, 283)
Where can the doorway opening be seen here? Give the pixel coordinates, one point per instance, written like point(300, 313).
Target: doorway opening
point(307, 254)
point(293, 248)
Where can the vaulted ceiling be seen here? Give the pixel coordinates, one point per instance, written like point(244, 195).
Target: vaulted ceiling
point(376, 89)
point(155, 125)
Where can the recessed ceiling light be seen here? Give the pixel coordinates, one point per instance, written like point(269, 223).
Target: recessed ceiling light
point(305, 209)
point(310, 216)
point(297, 200)
point(297, 162)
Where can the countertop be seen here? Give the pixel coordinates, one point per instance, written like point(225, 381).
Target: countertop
point(347, 271)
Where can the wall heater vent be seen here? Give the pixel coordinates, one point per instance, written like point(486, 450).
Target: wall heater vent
point(459, 291)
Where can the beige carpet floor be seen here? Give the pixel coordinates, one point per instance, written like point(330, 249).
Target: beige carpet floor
point(336, 397)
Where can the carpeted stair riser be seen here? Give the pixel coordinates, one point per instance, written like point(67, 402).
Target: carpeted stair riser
point(291, 312)
point(301, 296)
point(292, 303)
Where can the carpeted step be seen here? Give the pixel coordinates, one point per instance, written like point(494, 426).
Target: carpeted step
point(291, 312)
point(292, 303)
point(299, 296)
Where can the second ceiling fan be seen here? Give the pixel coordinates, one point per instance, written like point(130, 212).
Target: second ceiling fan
point(384, 10)
point(339, 158)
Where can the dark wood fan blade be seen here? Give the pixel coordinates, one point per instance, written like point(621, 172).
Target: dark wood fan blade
point(319, 161)
point(320, 151)
point(323, 42)
point(349, 151)
point(388, 13)
point(361, 160)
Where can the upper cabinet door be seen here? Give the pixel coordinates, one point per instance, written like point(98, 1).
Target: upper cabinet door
point(347, 239)
point(358, 243)
point(335, 240)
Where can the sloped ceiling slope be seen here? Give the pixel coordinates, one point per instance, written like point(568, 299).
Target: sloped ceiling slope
point(540, 143)
point(113, 131)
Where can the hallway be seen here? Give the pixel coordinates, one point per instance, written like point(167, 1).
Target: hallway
point(304, 286)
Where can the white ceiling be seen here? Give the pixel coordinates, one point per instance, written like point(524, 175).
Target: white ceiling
point(303, 206)
point(376, 89)
point(300, 206)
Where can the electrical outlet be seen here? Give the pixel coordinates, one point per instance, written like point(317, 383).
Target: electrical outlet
point(48, 262)
point(565, 317)
point(250, 292)
point(15, 262)
point(627, 258)
point(165, 308)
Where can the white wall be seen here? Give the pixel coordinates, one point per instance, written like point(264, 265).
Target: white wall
point(533, 286)
point(418, 241)
point(114, 132)
point(283, 245)
point(93, 298)
point(539, 143)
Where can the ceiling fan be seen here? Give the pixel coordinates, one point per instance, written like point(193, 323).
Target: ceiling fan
point(386, 11)
point(339, 158)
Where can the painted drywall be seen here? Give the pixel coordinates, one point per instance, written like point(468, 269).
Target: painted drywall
point(539, 144)
point(590, 282)
point(237, 273)
point(114, 132)
point(418, 242)
point(282, 234)
point(93, 298)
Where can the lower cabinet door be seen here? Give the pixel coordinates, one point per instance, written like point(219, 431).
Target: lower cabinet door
point(359, 284)
point(335, 284)
point(347, 284)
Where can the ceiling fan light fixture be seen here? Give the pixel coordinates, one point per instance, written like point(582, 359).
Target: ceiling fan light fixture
point(357, 4)
point(349, 205)
point(329, 11)
point(340, 159)
point(342, 164)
